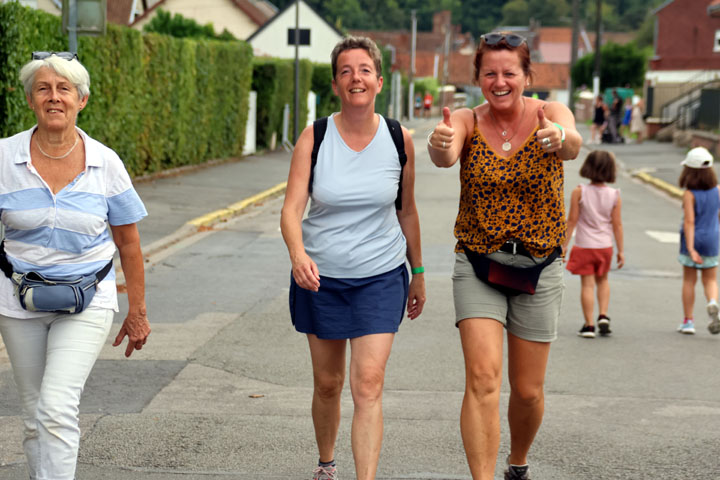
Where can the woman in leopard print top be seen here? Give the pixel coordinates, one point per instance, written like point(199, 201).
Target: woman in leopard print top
point(511, 152)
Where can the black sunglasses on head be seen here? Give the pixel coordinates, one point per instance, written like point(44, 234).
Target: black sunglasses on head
point(64, 55)
point(495, 38)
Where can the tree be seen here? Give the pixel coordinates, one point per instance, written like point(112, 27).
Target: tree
point(181, 27)
point(621, 64)
point(515, 12)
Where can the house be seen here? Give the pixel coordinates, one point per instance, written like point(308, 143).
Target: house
point(686, 56)
point(239, 17)
point(276, 38)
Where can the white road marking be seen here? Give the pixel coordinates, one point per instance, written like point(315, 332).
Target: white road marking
point(664, 237)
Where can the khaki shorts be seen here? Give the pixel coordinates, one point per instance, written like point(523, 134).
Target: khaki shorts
point(530, 317)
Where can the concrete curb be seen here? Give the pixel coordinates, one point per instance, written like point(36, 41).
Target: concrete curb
point(662, 185)
point(236, 208)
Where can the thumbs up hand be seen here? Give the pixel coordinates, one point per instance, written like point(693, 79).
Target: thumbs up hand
point(442, 136)
point(548, 134)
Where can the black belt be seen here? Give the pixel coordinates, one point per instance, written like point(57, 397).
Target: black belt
point(515, 247)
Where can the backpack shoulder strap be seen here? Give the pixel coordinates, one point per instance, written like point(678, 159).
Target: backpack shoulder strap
point(397, 136)
point(319, 128)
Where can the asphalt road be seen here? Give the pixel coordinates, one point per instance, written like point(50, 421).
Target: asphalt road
point(223, 387)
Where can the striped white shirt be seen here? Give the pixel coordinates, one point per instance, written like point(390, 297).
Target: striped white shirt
point(63, 234)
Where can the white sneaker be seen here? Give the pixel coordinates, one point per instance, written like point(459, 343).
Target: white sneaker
point(712, 311)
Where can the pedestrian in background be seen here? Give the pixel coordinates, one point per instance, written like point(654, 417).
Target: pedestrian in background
point(349, 280)
point(599, 122)
point(637, 121)
point(699, 236)
point(427, 103)
point(59, 191)
point(510, 228)
point(615, 119)
point(627, 115)
point(595, 209)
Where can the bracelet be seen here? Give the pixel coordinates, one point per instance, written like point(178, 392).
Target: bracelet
point(417, 270)
point(428, 139)
point(562, 132)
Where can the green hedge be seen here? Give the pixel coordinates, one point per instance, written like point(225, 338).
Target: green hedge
point(327, 101)
point(158, 101)
point(274, 79)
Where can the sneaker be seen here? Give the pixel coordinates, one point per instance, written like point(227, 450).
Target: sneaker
point(712, 310)
point(687, 327)
point(587, 331)
point(517, 473)
point(604, 325)
point(325, 473)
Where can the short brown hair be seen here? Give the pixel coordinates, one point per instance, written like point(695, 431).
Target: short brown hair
point(349, 43)
point(599, 166)
point(522, 50)
point(698, 178)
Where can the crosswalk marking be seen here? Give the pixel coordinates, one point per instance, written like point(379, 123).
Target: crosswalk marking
point(664, 237)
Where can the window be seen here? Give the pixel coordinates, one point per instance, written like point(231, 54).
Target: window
point(716, 46)
point(304, 36)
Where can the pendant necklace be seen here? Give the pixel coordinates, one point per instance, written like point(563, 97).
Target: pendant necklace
point(77, 138)
point(507, 146)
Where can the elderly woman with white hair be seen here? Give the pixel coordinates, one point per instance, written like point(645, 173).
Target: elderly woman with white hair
point(59, 191)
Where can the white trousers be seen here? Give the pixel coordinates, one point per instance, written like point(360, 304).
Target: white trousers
point(51, 358)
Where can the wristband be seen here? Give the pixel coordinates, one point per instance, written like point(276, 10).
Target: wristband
point(417, 270)
point(562, 132)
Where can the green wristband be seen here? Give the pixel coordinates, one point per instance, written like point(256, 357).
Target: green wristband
point(562, 132)
point(418, 270)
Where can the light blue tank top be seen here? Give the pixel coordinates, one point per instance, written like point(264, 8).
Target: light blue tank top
point(352, 229)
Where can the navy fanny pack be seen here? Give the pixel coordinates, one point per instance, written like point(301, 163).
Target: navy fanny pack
point(38, 293)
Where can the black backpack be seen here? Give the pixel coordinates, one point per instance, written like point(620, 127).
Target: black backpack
point(319, 128)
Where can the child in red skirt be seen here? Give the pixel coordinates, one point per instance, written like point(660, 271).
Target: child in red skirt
point(595, 211)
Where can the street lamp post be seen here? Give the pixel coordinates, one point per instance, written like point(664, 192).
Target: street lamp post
point(296, 117)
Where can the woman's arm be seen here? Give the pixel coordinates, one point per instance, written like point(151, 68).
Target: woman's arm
point(688, 202)
point(136, 325)
point(305, 271)
point(616, 220)
point(446, 142)
point(573, 216)
point(410, 225)
point(556, 112)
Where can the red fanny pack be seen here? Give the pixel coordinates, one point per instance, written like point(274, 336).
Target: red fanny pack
point(506, 278)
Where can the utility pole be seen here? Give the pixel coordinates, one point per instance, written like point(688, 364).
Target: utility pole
point(72, 26)
point(574, 51)
point(413, 46)
point(598, 38)
point(445, 62)
point(296, 116)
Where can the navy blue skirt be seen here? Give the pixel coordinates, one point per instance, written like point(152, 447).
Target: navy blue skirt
point(351, 307)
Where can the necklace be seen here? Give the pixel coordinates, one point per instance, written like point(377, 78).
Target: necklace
point(507, 146)
point(77, 138)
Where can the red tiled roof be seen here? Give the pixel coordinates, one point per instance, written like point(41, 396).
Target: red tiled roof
point(550, 76)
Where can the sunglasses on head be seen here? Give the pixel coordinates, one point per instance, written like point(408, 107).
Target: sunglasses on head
point(64, 55)
point(510, 38)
